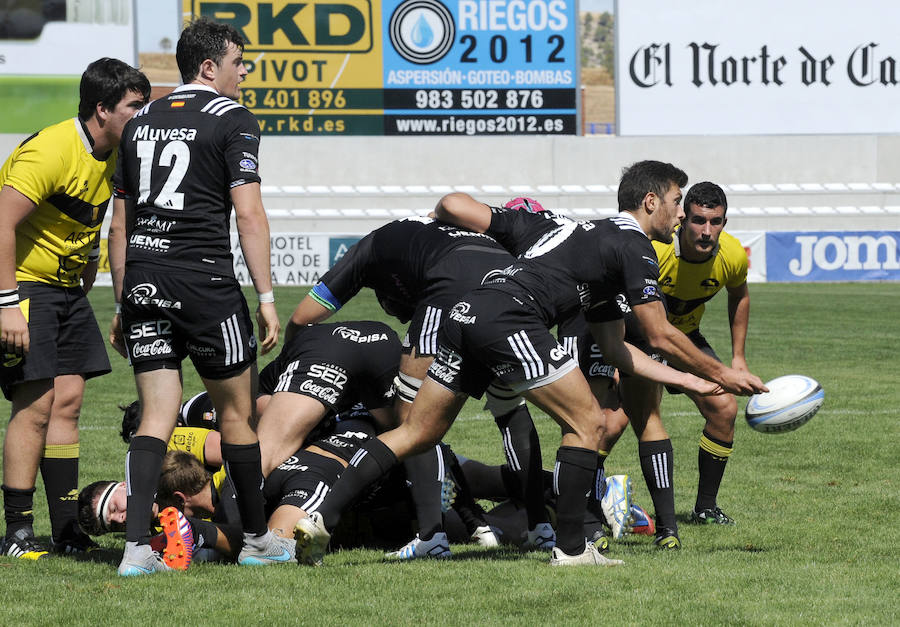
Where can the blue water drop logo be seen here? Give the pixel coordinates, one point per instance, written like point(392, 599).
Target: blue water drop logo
point(422, 34)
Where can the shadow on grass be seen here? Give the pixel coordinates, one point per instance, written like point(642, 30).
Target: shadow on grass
point(460, 554)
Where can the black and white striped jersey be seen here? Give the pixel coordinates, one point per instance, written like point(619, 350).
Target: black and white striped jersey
point(565, 265)
point(179, 158)
point(401, 261)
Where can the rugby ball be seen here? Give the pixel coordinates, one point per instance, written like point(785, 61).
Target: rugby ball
point(789, 404)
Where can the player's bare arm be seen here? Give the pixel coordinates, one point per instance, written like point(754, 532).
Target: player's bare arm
point(623, 355)
point(309, 311)
point(676, 347)
point(14, 208)
point(253, 230)
point(117, 241)
point(738, 320)
point(464, 211)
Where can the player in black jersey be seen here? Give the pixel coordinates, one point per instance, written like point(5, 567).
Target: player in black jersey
point(501, 330)
point(418, 268)
point(185, 160)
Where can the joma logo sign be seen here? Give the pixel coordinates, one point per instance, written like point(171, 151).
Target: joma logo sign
point(844, 252)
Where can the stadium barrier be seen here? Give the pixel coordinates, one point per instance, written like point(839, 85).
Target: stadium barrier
point(301, 258)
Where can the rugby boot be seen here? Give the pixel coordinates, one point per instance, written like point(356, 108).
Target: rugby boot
point(436, 547)
point(589, 557)
point(22, 545)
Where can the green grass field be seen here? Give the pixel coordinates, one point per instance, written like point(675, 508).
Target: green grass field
point(814, 544)
point(29, 103)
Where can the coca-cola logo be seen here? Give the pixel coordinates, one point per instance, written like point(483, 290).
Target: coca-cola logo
point(158, 347)
point(327, 394)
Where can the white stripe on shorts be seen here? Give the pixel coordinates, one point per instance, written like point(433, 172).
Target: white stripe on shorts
point(312, 504)
point(354, 461)
point(231, 335)
point(284, 379)
point(524, 350)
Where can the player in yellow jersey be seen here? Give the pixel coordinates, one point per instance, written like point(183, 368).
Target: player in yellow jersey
point(702, 260)
point(55, 191)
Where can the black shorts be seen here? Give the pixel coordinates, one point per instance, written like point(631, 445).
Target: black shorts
point(493, 334)
point(340, 364)
point(700, 342)
point(64, 337)
point(576, 338)
point(167, 316)
point(302, 480)
point(448, 281)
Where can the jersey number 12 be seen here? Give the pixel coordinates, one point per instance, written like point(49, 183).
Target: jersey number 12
point(175, 155)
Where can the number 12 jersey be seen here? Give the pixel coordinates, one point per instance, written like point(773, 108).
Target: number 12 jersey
point(179, 158)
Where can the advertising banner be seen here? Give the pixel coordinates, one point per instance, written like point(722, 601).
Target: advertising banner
point(764, 67)
point(833, 256)
point(474, 67)
point(296, 258)
point(406, 67)
point(801, 256)
point(754, 242)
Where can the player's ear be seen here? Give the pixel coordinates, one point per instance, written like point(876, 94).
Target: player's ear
point(208, 69)
point(101, 113)
point(650, 202)
point(181, 496)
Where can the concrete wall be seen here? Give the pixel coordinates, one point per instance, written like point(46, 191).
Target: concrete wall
point(534, 161)
point(562, 160)
point(577, 160)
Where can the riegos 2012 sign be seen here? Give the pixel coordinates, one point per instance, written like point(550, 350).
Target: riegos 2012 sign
point(480, 67)
point(407, 67)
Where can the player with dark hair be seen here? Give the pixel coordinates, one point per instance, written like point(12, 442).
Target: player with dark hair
point(185, 160)
point(54, 195)
point(418, 269)
point(702, 260)
point(501, 330)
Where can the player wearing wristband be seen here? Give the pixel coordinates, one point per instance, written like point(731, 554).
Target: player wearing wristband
point(54, 195)
point(184, 161)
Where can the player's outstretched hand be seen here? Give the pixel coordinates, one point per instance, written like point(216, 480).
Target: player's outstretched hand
point(116, 338)
point(14, 337)
point(742, 383)
point(269, 326)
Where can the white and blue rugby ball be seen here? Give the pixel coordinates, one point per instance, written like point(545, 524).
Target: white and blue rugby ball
point(792, 400)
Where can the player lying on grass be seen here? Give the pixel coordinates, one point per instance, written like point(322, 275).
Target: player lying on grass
point(294, 489)
point(291, 491)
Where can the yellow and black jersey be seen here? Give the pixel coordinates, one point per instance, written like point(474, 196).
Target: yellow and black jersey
point(687, 285)
point(56, 170)
point(190, 440)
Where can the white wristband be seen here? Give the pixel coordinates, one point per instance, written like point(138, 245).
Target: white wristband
point(9, 298)
point(118, 308)
point(266, 297)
